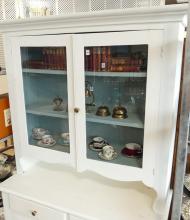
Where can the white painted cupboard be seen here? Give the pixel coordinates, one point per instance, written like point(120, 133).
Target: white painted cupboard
point(96, 92)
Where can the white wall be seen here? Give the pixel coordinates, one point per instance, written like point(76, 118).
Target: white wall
point(3, 84)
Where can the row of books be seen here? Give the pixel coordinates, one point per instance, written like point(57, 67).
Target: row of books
point(101, 59)
point(52, 58)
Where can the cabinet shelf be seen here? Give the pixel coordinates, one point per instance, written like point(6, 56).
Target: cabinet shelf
point(121, 159)
point(116, 74)
point(56, 147)
point(46, 110)
point(45, 71)
point(133, 120)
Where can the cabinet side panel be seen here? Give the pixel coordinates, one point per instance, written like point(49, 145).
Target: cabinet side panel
point(169, 95)
point(14, 104)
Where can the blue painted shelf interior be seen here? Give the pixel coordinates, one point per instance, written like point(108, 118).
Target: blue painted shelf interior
point(116, 74)
point(43, 71)
point(114, 88)
point(55, 126)
point(116, 136)
point(41, 87)
point(120, 159)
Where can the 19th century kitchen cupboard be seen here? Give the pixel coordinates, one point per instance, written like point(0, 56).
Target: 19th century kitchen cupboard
point(110, 77)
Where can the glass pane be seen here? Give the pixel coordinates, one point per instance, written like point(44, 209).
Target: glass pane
point(46, 100)
point(115, 92)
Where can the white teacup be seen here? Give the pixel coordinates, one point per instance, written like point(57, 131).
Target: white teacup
point(108, 151)
point(47, 139)
point(98, 139)
point(39, 132)
point(65, 137)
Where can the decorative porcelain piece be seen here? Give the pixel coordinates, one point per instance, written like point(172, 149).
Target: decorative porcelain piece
point(58, 104)
point(5, 170)
point(97, 144)
point(187, 181)
point(65, 137)
point(132, 150)
point(48, 140)
point(41, 144)
point(37, 133)
point(3, 158)
point(185, 209)
point(108, 153)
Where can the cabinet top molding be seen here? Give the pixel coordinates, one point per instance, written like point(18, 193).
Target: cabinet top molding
point(133, 16)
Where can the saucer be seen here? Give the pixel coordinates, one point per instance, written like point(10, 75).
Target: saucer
point(63, 143)
point(114, 156)
point(40, 144)
point(91, 146)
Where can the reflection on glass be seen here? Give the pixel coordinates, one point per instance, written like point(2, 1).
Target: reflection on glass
point(115, 91)
point(46, 99)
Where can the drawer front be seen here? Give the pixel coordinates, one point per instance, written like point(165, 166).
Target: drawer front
point(33, 210)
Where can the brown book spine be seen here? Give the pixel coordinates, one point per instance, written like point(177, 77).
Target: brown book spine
point(53, 59)
point(94, 59)
point(109, 59)
point(104, 59)
point(44, 58)
point(65, 58)
point(98, 59)
point(48, 58)
point(88, 59)
point(59, 58)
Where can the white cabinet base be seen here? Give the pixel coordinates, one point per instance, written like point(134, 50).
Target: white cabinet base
point(76, 196)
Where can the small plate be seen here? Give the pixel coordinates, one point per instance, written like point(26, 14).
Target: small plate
point(185, 209)
point(40, 144)
point(63, 143)
point(115, 154)
point(97, 149)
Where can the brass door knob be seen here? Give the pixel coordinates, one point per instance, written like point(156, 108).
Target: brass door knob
point(34, 213)
point(76, 110)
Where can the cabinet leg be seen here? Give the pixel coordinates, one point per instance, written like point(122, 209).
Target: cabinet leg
point(161, 206)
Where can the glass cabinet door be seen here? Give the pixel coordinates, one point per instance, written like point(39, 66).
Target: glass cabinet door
point(112, 99)
point(115, 95)
point(44, 72)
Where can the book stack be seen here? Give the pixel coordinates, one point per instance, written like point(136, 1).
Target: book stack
point(52, 58)
point(100, 59)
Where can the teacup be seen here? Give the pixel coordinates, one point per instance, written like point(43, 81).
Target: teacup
point(133, 149)
point(108, 151)
point(39, 132)
point(98, 142)
point(65, 137)
point(47, 139)
point(98, 139)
